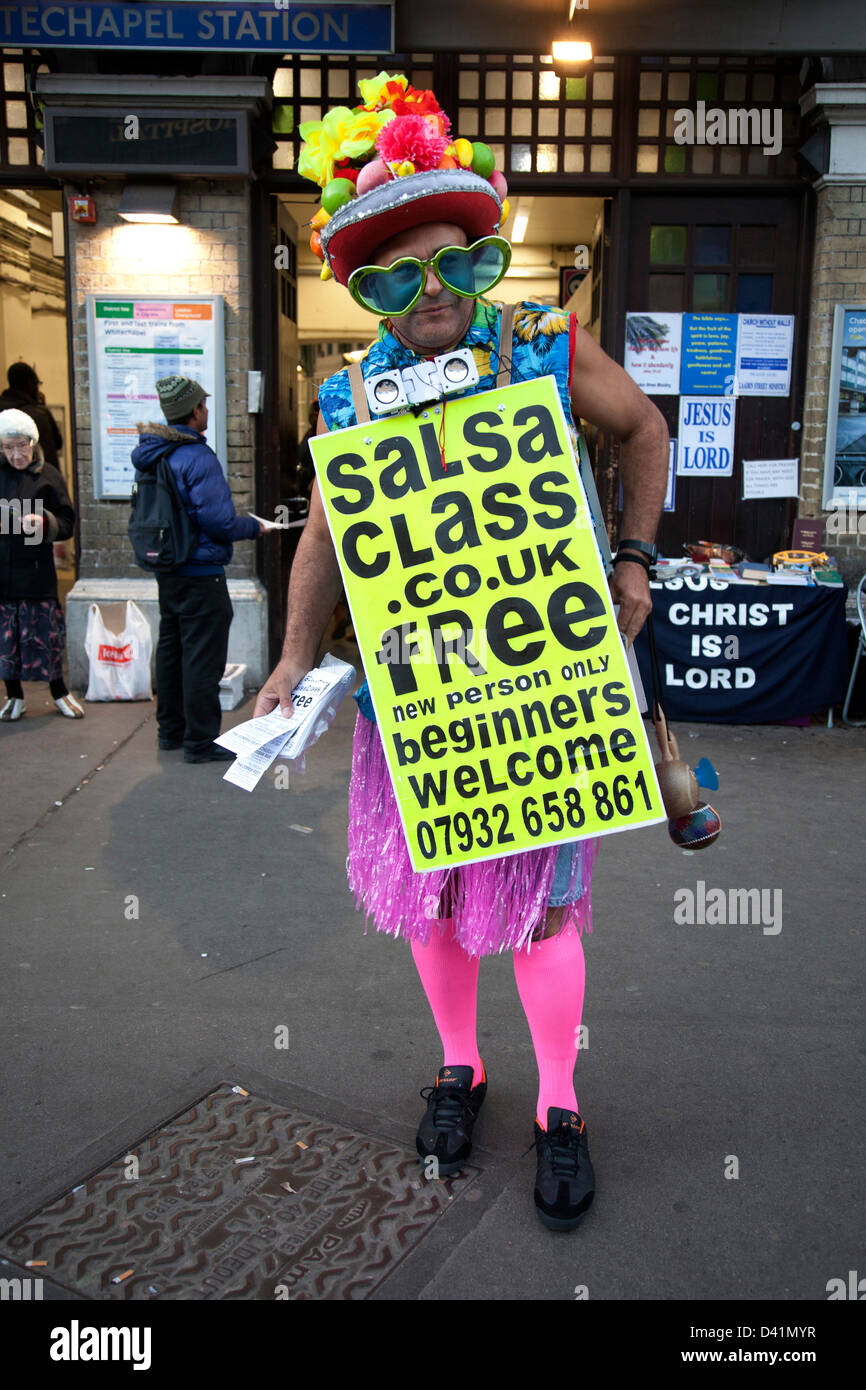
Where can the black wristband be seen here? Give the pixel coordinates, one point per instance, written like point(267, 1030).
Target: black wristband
point(633, 560)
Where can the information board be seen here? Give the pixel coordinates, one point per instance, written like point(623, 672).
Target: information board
point(133, 341)
point(507, 712)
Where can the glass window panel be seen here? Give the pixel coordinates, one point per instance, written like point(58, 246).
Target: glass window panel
point(575, 122)
point(675, 159)
point(709, 293)
point(468, 86)
point(708, 62)
point(16, 115)
point(707, 86)
point(648, 121)
point(702, 160)
point(523, 58)
point(284, 156)
point(13, 77)
point(679, 62)
point(468, 124)
point(602, 122)
point(730, 161)
point(548, 122)
point(283, 118)
point(361, 76)
point(670, 121)
point(757, 163)
point(735, 86)
point(602, 86)
point(668, 244)
point(423, 81)
point(39, 151)
point(548, 87)
point(18, 151)
point(572, 161)
point(521, 159)
point(650, 86)
point(763, 86)
point(521, 121)
point(283, 82)
point(494, 122)
point(338, 84)
point(310, 113)
point(498, 152)
point(756, 246)
point(311, 83)
point(599, 159)
point(712, 245)
point(666, 292)
point(547, 159)
point(494, 86)
point(678, 86)
point(647, 159)
point(754, 293)
point(521, 86)
point(575, 89)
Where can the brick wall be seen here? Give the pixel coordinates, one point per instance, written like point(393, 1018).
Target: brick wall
point(208, 253)
point(838, 277)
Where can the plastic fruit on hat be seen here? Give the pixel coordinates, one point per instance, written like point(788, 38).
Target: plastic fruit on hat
point(499, 185)
point(316, 246)
point(336, 193)
point(404, 169)
point(506, 208)
point(483, 162)
point(372, 175)
point(326, 273)
point(321, 219)
point(448, 162)
point(462, 152)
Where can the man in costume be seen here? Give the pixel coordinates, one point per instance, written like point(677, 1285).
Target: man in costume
point(415, 239)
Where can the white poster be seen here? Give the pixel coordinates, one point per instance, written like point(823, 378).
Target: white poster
point(770, 478)
point(652, 351)
point(764, 354)
point(705, 439)
point(132, 341)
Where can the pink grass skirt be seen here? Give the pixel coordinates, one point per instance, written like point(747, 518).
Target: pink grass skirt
point(494, 905)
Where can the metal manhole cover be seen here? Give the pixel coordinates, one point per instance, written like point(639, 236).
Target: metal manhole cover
point(321, 1212)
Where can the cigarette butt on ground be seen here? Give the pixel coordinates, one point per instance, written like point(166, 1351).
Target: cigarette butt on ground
point(245, 1160)
point(302, 1146)
point(239, 1091)
point(119, 1278)
point(35, 1264)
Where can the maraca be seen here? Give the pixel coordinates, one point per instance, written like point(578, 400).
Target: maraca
point(692, 823)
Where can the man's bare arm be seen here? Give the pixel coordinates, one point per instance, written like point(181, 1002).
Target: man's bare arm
point(314, 588)
point(604, 394)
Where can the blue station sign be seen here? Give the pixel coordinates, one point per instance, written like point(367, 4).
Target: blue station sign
point(276, 26)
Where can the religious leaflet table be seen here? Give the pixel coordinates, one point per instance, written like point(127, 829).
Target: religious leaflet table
point(746, 653)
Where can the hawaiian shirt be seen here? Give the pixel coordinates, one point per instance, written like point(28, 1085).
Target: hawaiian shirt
point(542, 345)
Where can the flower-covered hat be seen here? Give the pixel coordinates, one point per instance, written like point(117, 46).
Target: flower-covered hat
point(389, 165)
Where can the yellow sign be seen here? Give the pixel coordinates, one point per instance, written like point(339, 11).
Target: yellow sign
point(501, 689)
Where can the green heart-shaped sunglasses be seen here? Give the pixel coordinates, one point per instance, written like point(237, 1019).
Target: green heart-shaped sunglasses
point(467, 271)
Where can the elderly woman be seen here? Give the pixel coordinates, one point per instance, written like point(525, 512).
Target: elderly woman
point(35, 511)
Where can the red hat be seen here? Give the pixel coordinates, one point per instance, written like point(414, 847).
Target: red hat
point(458, 196)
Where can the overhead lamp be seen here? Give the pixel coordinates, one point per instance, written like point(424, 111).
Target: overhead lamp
point(148, 202)
point(571, 51)
point(521, 222)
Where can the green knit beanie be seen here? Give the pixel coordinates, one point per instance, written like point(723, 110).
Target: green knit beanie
point(179, 396)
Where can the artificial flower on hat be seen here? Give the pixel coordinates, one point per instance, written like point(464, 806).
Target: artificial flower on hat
point(342, 135)
point(382, 90)
point(410, 138)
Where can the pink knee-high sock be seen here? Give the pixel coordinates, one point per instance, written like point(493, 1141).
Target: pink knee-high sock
point(450, 980)
point(550, 981)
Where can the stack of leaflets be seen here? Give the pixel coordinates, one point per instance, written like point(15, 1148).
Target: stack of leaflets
point(258, 742)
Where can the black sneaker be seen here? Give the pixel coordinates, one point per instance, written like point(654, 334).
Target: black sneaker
point(564, 1180)
point(215, 754)
point(445, 1132)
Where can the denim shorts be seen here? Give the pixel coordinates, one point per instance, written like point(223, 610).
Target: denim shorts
point(559, 894)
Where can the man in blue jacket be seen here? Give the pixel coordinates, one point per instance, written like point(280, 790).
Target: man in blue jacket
point(195, 610)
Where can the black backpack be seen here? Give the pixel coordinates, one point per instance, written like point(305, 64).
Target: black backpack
point(160, 530)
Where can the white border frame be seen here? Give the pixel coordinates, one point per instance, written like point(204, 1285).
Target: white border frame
point(217, 408)
point(847, 495)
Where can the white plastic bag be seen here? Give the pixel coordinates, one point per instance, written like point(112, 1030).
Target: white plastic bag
point(119, 661)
